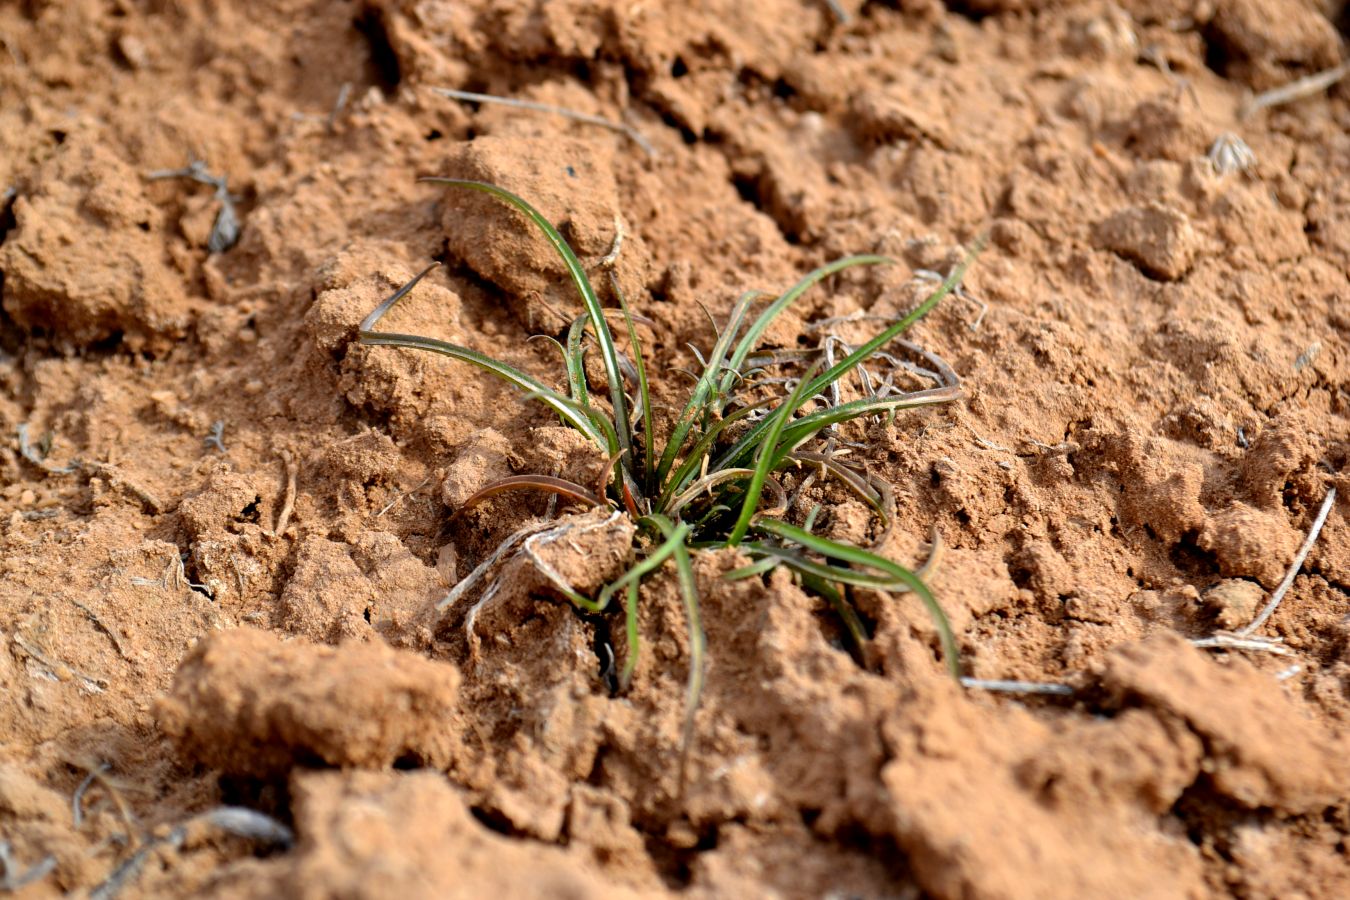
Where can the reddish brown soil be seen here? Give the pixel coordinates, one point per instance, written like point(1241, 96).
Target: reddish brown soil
point(1158, 400)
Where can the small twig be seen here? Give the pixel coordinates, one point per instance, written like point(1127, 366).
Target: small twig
point(130, 868)
point(30, 453)
point(225, 229)
point(1153, 54)
point(236, 820)
point(1294, 90)
point(1019, 687)
point(472, 97)
point(77, 802)
point(959, 291)
point(177, 571)
point(246, 823)
point(288, 500)
point(552, 536)
point(103, 627)
point(1225, 641)
point(840, 14)
point(343, 93)
point(392, 503)
point(1289, 576)
point(471, 619)
point(14, 880)
point(468, 581)
point(58, 668)
point(1286, 674)
point(609, 259)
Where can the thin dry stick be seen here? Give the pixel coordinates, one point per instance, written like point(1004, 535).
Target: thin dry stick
point(1232, 642)
point(1294, 90)
point(1289, 576)
point(12, 880)
point(612, 257)
point(103, 627)
point(288, 503)
point(505, 547)
point(395, 502)
point(472, 97)
point(1018, 687)
point(77, 803)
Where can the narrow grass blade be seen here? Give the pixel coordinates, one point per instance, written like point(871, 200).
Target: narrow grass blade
point(674, 541)
point(560, 486)
point(798, 432)
point(534, 388)
point(575, 358)
point(858, 356)
point(648, 436)
point(768, 457)
point(706, 483)
point(850, 362)
point(697, 641)
point(859, 557)
point(694, 461)
point(705, 390)
point(812, 423)
point(608, 352)
point(631, 628)
point(368, 323)
point(765, 319)
point(758, 567)
point(794, 560)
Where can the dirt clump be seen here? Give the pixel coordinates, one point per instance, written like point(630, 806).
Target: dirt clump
point(247, 703)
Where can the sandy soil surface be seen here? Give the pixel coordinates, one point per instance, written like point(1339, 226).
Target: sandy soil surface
point(224, 524)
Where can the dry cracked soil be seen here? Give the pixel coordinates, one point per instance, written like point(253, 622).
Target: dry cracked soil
point(225, 525)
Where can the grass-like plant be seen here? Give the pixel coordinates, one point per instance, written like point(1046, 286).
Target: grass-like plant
point(702, 482)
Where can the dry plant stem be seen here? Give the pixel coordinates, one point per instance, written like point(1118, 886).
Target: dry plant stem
point(14, 880)
point(471, 97)
point(123, 808)
point(609, 260)
point(28, 452)
point(216, 438)
point(1018, 687)
point(559, 486)
point(288, 501)
point(552, 536)
point(58, 669)
point(1232, 642)
point(239, 821)
point(103, 627)
point(1289, 576)
point(77, 802)
point(505, 547)
point(402, 495)
point(1294, 90)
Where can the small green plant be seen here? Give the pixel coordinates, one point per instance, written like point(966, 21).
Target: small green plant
point(701, 484)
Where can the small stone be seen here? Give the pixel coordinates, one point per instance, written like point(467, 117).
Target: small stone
point(1157, 238)
point(1250, 543)
point(1233, 602)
